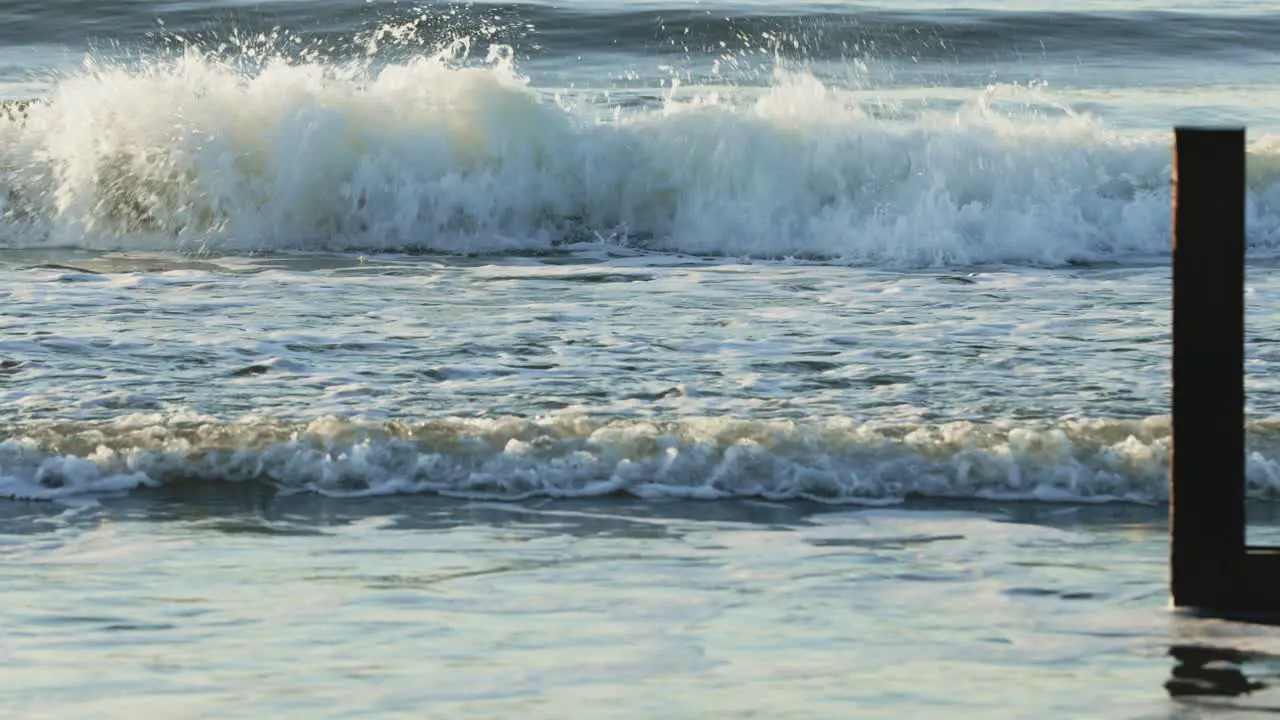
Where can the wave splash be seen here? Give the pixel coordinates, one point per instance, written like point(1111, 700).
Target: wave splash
point(450, 152)
point(835, 461)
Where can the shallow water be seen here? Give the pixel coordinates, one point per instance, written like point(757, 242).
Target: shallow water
point(803, 360)
point(464, 609)
point(570, 376)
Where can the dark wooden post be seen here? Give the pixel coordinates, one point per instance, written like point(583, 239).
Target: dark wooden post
point(1206, 507)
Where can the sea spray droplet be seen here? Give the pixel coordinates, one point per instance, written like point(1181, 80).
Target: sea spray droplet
point(272, 145)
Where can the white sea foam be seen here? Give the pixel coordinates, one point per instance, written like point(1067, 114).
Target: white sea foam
point(575, 456)
point(444, 153)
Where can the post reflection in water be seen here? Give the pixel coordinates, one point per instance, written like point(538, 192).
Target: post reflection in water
point(1207, 675)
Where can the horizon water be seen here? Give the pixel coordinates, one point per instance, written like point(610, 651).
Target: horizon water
point(619, 359)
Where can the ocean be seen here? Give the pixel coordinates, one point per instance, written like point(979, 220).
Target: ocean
point(631, 359)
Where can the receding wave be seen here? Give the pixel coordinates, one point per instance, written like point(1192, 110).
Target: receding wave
point(837, 461)
point(447, 153)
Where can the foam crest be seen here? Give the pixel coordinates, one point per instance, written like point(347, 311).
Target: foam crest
point(840, 461)
point(444, 153)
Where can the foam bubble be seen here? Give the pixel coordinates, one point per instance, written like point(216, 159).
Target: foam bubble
point(446, 153)
point(838, 460)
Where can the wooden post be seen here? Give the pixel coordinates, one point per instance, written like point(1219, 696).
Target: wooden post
point(1206, 505)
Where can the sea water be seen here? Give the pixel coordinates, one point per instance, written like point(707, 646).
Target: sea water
point(611, 359)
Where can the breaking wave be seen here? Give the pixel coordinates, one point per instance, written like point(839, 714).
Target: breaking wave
point(202, 153)
point(836, 461)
